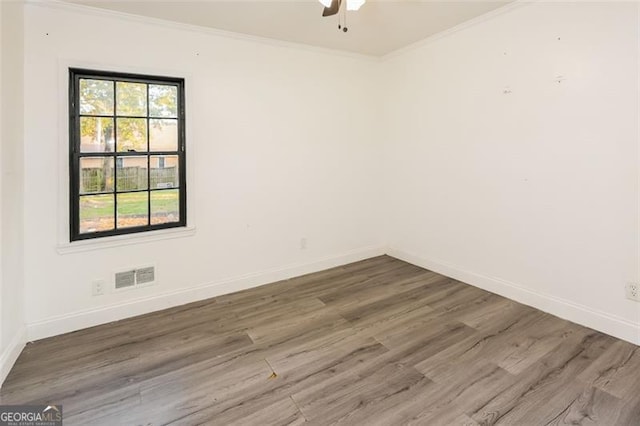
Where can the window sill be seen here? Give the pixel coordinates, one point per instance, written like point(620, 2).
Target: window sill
point(124, 240)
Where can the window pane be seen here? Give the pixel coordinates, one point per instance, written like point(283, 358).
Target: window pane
point(126, 146)
point(164, 171)
point(165, 206)
point(96, 134)
point(163, 101)
point(163, 135)
point(133, 209)
point(96, 97)
point(131, 99)
point(96, 175)
point(96, 213)
point(132, 173)
point(131, 134)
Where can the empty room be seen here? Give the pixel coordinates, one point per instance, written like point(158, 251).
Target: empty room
point(261, 212)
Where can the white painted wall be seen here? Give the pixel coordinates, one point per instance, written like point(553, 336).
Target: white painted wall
point(2, 296)
point(531, 194)
point(281, 145)
point(12, 334)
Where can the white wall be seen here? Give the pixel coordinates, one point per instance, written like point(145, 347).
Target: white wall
point(532, 194)
point(2, 296)
point(12, 334)
point(281, 145)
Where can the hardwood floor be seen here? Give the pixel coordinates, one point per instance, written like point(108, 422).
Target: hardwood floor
point(378, 342)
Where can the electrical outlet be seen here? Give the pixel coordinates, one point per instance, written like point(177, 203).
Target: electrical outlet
point(303, 243)
point(633, 291)
point(97, 287)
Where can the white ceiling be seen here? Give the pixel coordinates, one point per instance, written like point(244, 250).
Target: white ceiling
point(378, 28)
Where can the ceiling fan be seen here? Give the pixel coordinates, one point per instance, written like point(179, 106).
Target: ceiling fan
point(332, 7)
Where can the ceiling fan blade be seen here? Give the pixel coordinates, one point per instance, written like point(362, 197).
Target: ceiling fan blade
point(333, 9)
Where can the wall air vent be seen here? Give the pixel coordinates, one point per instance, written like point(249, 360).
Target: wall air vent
point(125, 279)
point(145, 275)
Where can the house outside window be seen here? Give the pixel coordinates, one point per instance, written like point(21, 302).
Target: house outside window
point(127, 153)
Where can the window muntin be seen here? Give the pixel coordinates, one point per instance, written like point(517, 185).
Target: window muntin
point(127, 153)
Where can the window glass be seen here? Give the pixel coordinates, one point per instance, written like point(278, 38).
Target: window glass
point(127, 153)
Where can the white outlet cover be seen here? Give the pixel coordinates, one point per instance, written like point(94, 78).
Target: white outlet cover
point(98, 287)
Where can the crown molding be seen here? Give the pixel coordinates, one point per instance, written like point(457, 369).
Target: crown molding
point(95, 11)
point(90, 10)
point(502, 10)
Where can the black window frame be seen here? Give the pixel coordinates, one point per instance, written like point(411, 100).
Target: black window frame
point(75, 154)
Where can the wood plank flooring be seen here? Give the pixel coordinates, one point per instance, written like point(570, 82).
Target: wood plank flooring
point(377, 342)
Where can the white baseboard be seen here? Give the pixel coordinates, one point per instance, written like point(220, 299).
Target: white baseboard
point(589, 317)
point(566, 309)
point(11, 353)
point(92, 317)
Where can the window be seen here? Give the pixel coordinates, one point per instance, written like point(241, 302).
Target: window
point(127, 153)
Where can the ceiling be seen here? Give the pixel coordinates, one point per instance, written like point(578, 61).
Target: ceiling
point(378, 28)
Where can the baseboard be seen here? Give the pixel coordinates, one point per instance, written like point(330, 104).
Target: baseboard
point(11, 353)
point(92, 317)
point(580, 314)
point(566, 309)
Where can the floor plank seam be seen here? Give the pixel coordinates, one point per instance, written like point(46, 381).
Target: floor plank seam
point(299, 409)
